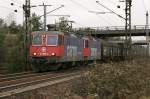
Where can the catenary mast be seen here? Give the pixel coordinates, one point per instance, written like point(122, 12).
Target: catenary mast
point(128, 39)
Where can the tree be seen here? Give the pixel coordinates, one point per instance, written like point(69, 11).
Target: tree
point(36, 23)
point(1, 22)
point(11, 46)
point(2, 33)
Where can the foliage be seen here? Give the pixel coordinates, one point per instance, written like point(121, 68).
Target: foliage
point(11, 46)
point(13, 53)
point(64, 25)
point(36, 23)
point(116, 81)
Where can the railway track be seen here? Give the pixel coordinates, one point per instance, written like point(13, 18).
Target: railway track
point(15, 74)
point(28, 81)
point(24, 75)
point(13, 84)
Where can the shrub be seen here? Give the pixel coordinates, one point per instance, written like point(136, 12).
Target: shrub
point(125, 80)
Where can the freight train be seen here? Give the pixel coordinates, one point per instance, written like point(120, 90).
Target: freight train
point(54, 49)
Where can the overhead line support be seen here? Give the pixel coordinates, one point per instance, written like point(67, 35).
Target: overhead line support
point(27, 11)
point(128, 39)
point(147, 34)
point(45, 18)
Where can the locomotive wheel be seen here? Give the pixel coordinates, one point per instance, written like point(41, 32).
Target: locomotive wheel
point(64, 66)
point(36, 68)
point(56, 66)
point(78, 64)
point(73, 64)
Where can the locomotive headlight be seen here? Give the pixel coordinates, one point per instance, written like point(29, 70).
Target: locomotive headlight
point(34, 54)
point(53, 54)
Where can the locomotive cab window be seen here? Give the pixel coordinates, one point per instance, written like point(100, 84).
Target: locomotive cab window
point(36, 39)
point(85, 43)
point(52, 40)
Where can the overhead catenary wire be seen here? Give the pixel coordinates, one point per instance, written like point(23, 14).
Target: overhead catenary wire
point(110, 10)
point(85, 8)
point(103, 12)
point(52, 10)
point(88, 10)
point(55, 15)
point(38, 1)
point(118, 6)
point(79, 5)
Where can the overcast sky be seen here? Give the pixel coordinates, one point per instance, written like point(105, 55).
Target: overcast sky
point(78, 10)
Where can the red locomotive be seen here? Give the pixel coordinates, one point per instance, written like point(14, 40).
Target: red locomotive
point(54, 49)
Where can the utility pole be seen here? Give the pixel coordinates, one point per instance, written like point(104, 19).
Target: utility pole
point(128, 39)
point(45, 18)
point(147, 34)
point(26, 9)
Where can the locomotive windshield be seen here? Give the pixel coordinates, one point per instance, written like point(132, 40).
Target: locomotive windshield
point(36, 40)
point(52, 40)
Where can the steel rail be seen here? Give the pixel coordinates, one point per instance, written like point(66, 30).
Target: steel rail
point(14, 74)
point(20, 76)
point(11, 82)
point(29, 83)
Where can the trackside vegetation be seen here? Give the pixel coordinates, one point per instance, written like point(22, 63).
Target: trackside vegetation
point(124, 80)
point(12, 45)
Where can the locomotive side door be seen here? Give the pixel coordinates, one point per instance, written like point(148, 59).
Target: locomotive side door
point(85, 50)
point(61, 44)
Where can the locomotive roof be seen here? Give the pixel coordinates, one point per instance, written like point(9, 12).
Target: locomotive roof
point(48, 32)
point(53, 32)
point(59, 32)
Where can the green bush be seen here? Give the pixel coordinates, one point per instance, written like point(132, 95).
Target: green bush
point(14, 58)
point(12, 47)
